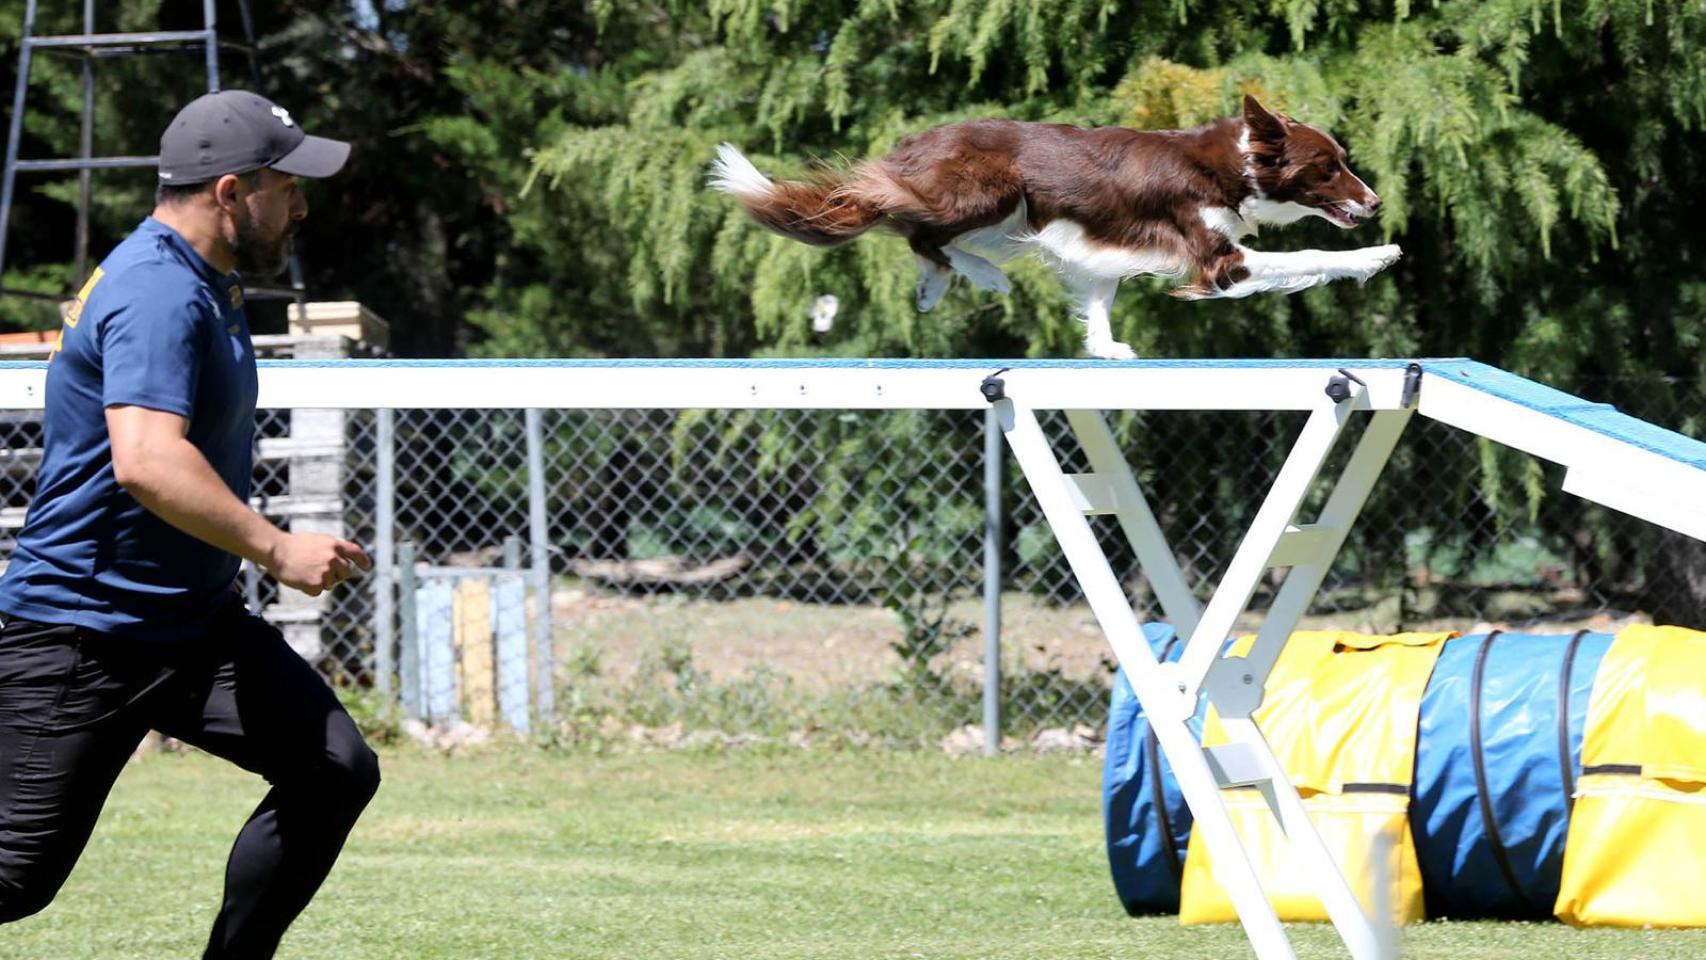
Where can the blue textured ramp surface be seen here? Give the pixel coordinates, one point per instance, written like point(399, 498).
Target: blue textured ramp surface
point(1601, 418)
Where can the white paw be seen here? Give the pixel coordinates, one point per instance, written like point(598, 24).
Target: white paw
point(1109, 350)
point(930, 292)
point(982, 274)
point(933, 283)
point(1372, 260)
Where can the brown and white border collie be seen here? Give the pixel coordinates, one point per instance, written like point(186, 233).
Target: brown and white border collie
point(1099, 205)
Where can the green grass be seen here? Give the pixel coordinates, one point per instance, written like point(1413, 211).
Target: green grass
point(523, 853)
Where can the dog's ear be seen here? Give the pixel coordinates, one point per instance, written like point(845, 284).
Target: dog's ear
point(1263, 125)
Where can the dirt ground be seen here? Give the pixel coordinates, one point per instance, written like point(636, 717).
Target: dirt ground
point(822, 646)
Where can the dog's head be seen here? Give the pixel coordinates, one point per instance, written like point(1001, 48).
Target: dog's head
point(1293, 162)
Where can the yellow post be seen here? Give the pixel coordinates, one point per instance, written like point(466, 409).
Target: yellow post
point(472, 617)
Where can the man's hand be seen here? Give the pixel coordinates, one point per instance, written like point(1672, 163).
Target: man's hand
point(154, 460)
point(315, 562)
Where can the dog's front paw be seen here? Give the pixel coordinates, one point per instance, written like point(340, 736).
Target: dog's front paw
point(1375, 259)
point(1109, 350)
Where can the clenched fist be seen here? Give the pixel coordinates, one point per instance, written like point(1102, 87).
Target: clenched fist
point(315, 562)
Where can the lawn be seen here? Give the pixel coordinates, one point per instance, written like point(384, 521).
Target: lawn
point(515, 852)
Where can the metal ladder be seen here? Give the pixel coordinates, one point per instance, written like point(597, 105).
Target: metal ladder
point(91, 46)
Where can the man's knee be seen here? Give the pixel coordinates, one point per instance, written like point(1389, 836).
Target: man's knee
point(355, 768)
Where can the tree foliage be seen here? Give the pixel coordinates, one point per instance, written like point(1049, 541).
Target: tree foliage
point(529, 177)
point(1516, 144)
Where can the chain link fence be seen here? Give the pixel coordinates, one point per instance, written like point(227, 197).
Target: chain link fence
point(819, 574)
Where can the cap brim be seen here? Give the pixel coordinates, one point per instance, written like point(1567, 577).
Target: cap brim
point(314, 157)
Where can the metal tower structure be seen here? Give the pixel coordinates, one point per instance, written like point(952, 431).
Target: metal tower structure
point(90, 46)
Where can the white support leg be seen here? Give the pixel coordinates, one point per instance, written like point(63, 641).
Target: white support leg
point(1136, 520)
point(1235, 685)
point(1167, 710)
point(1273, 540)
point(1224, 685)
point(1271, 524)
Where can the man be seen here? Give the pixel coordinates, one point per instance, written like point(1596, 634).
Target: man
point(120, 613)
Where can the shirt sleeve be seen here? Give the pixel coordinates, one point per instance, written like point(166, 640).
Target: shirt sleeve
point(151, 353)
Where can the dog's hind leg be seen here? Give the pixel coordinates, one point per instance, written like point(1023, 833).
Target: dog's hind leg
point(982, 274)
point(1097, 299)
point(933, 281)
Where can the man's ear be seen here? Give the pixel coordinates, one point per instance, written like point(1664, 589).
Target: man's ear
point(1263, 125)
point(225, 191)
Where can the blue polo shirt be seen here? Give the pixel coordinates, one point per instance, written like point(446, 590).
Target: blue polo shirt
point(156, 326)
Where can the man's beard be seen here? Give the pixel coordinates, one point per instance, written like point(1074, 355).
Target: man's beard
point(260, 256)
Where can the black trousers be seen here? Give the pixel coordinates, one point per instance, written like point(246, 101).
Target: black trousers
point(74, 705)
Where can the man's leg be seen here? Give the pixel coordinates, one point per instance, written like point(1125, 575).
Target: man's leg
point(268, 711)
point(65, 733)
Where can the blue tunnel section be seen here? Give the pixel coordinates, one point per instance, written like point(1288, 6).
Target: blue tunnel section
point(1146, 820)
point(1498, 752)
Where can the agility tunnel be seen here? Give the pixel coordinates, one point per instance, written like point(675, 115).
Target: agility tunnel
point(1494, 775)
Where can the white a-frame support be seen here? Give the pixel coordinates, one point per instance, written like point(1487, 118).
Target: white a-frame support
point(1169, 692)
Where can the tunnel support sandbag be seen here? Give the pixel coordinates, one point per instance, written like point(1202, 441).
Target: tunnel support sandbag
point(1636, 855)
point(1341, 713)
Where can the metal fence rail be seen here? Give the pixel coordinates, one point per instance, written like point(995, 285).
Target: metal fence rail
point(767, 572)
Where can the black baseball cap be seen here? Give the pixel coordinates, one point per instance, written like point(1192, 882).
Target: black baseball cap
point(235, 131)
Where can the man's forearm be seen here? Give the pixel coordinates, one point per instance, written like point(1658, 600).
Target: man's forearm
point(177, 484)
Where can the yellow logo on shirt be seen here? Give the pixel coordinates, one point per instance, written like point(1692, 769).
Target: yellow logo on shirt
point(74, 312)
point(236, 297)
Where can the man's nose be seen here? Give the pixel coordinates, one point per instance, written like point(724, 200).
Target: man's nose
point(299, 209)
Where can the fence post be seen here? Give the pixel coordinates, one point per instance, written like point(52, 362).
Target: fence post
point(509, 636)
point(992, 471)
point(411, 650)
point(540, 550)
point(385, 584)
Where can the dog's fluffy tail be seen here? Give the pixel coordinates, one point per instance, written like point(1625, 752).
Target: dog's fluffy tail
point(821, 211)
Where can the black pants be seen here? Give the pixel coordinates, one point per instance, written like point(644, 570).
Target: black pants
point(74, 705)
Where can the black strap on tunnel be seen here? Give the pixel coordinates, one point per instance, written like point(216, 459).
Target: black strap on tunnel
point(1484, 799)
point(1396, 789)
point(1566, 761)
point(1162, 821)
